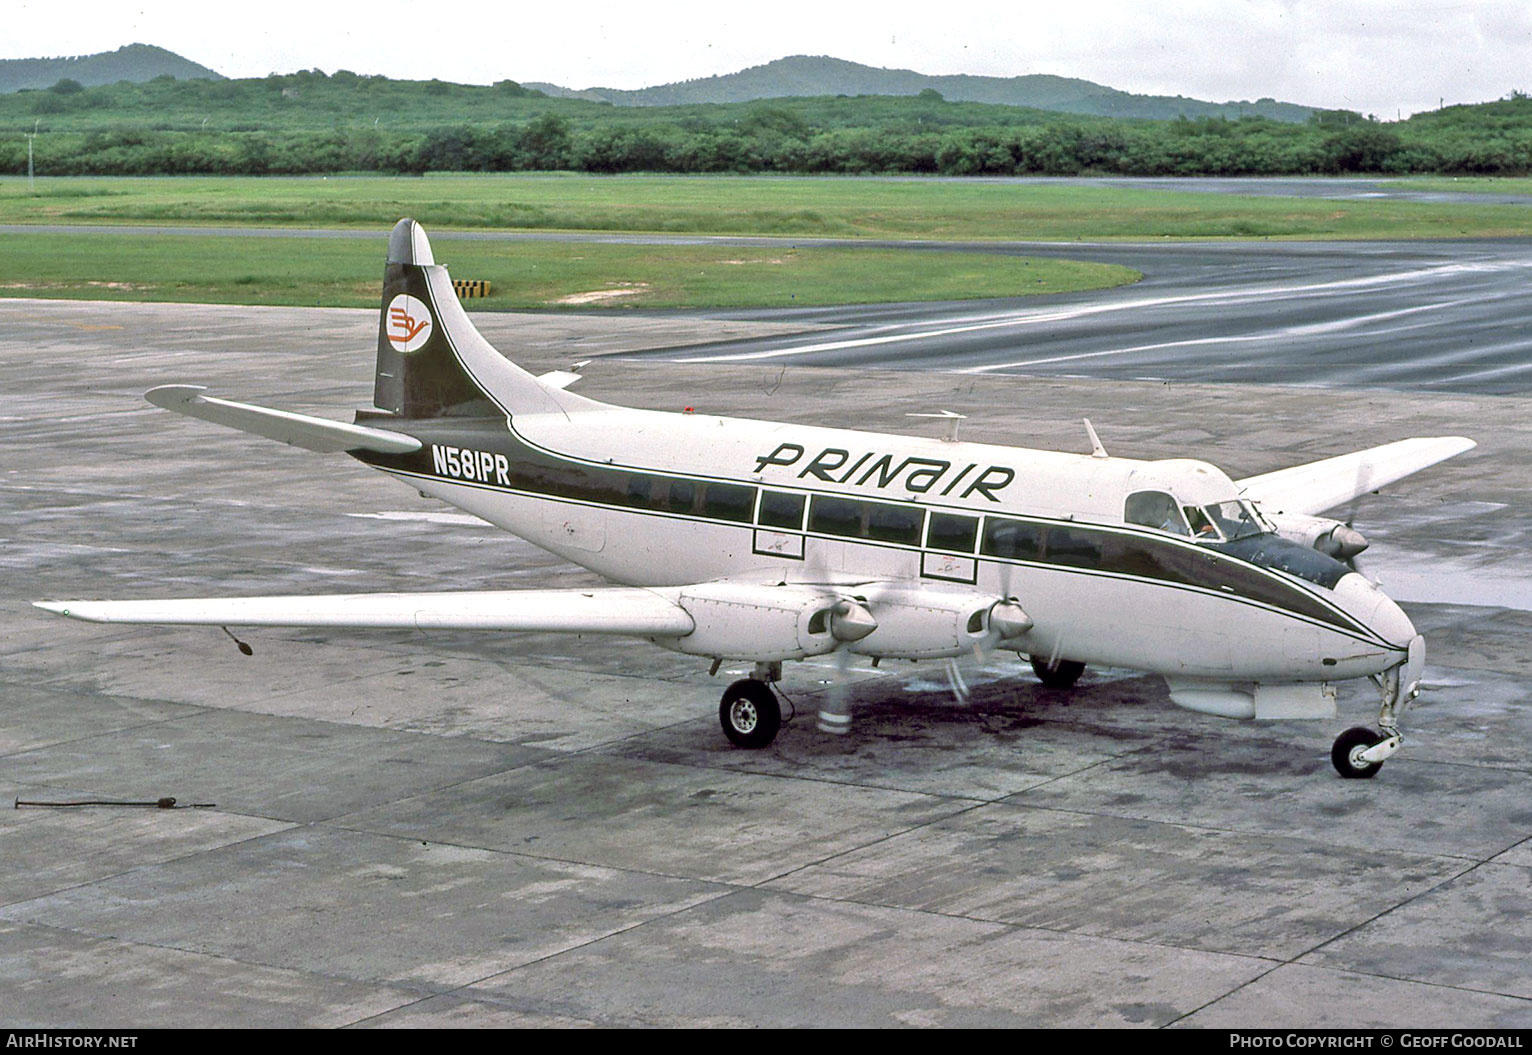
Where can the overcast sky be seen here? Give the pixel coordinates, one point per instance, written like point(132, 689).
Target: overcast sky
point(1383, 57)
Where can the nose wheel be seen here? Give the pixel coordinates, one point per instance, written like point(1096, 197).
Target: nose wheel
point(1350, 753)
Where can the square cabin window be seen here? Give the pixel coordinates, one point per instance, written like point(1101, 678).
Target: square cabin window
point(953, 533)
point(781, 510)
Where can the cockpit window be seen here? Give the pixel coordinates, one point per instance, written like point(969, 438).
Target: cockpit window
point(1155, 509)
point(1202, 527)
point(1226, 521)
point(1238, 520)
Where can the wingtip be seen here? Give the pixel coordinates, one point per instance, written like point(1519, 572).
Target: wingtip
point(170, 397)
point(56, 607)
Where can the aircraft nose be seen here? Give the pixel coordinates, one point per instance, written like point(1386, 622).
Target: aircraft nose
point(1364, 599)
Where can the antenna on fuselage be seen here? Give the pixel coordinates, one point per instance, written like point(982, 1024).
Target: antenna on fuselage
point(1096, 450)
point(952, 419)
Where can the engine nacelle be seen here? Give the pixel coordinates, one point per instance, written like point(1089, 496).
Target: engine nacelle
point(1330, 537)
point(926, 623)
point(755, 621)
point(763, 622)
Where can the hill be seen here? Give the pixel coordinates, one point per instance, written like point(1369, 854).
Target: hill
point(806, 75)
point(134, 62)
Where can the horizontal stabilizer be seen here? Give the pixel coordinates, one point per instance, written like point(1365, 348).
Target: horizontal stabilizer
point(1318, 486)
point(559, 378)
point(300, 430)
point(630, 612)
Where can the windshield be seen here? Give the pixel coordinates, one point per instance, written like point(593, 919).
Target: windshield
point(1226, 521)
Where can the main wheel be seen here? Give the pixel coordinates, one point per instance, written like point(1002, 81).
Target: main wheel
point(1060, 674)
point(750, 714)
point(1346, 754)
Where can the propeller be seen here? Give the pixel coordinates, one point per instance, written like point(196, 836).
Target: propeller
point(850, 621)
point(1345, 542)
point(1004, 621)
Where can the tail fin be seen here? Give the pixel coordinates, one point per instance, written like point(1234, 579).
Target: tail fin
point(432, 362)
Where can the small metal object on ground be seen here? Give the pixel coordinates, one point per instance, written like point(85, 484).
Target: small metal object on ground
point(166, 803)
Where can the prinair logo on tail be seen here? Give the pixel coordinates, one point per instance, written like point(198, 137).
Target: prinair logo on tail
point(432, 362)
point(408, 323)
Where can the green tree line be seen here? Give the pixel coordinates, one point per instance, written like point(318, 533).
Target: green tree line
point(300, 124)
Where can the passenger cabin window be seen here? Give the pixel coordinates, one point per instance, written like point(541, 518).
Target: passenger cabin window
point(721, 501)
point(1155, 509)
point(853, 518)
point(781, 510)
point(1016, 539)
point(953, 533)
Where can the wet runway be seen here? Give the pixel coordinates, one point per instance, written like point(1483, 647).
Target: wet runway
point(458, 829)
point(1425, 316)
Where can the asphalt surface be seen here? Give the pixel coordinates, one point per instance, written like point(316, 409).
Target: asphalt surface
point(1425, 316)
point(482, 830)
point(1446, 316)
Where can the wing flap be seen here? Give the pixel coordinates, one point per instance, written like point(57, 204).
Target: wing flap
point(299, 430)
point(630, 612)
point(1322, 485)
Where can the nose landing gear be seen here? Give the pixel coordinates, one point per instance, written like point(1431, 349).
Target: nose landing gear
point(1359, 752)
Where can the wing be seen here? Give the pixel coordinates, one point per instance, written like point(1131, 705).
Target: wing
point(634, 612)
point(1318, 486)
point(300, 430)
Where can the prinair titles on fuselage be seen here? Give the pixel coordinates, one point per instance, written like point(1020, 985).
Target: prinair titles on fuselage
point(883, 471)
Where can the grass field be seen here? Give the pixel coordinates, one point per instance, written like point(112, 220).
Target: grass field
point(345, 271)
point(348, 272)
point(1468, 184)
point(818, 207)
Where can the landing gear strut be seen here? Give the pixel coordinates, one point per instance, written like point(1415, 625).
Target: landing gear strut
point(1359, 753)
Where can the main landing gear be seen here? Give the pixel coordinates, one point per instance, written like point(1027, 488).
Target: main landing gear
point(749, 712)
point(1057, 673)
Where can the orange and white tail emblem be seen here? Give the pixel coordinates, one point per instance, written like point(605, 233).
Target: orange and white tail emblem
point(408, 323)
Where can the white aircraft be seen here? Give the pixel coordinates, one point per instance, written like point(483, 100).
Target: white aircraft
point(764, 542)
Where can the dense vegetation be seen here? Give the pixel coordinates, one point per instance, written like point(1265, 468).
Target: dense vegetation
point(314, 123)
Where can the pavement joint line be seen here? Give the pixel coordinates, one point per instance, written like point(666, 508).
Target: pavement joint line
point(1473, 867)
point(867, 846)
point(1508, 849)
point(1129, 753)
point(408, 987)
point(7, 906)
point(790, 894)
point(600, 749)
point(1293, 961)
point(1217, 999)
point(1467, 858)
point(489, 998)
point(1412, 981)
point(101, 732)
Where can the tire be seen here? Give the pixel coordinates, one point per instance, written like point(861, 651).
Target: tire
point(749, 714)
point(1347, 744)
point(1061, 675)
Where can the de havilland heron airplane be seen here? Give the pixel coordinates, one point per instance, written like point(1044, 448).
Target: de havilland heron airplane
point(741, 540)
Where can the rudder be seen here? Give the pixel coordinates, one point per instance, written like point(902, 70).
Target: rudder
point(432, 362)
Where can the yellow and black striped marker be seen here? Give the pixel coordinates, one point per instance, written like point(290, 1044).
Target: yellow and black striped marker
point(470, 287)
